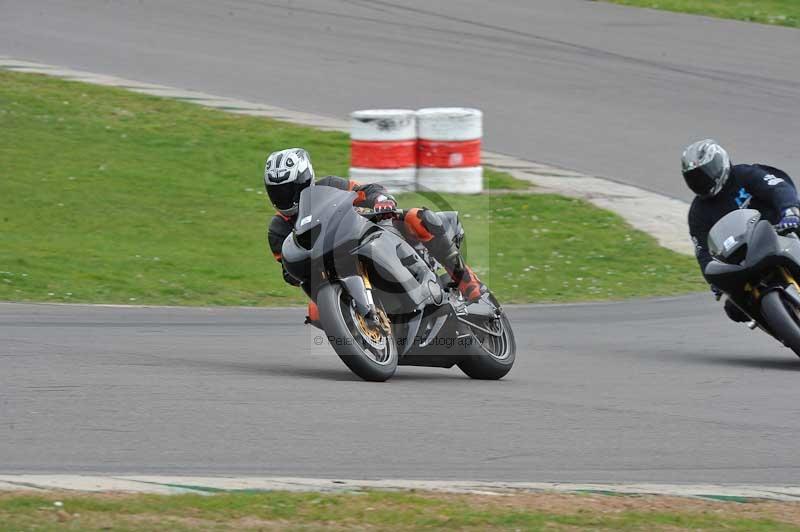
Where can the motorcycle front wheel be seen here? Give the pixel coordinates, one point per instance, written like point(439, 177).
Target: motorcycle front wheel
point(782, 318)
point(366, 349)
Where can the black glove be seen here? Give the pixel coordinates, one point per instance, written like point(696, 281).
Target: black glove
point(790, 220)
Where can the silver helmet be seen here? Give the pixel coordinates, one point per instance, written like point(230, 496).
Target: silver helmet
point(706, 167)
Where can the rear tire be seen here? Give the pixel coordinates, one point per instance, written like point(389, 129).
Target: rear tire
point(342, 333)
point(781, 320)
point(483, 364)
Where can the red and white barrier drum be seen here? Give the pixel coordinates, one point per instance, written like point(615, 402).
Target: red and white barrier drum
point(449, 150)
point(384, 148)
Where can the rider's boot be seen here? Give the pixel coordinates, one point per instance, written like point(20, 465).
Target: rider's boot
point(468, 283)
point(426, 226)
point(313, 315)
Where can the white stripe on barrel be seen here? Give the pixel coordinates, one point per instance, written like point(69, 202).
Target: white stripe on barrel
point(383, 148)
point(467, 180)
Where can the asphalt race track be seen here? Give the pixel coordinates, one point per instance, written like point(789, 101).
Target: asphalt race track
point(662, 390)
point(603, 89)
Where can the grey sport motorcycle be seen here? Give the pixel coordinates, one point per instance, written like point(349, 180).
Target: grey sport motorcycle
point(380, 300)
point(757, 268)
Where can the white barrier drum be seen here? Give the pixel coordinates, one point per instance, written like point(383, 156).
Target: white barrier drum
point(449, 150)
point(383, 148)
point(454, 180)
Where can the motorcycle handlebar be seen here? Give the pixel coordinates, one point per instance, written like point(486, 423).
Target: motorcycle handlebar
point(785, 231)
point(396, 214)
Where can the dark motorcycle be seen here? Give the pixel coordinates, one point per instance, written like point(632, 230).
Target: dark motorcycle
point(757, 268)
point(380, 300)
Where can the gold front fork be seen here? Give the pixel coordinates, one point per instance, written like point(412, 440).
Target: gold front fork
point(789, 278)
point(383, 319)
point(786, 276)
point(363, 272)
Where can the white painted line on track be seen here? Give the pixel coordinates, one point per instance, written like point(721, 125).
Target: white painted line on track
point(189, 484)
point(662, 217)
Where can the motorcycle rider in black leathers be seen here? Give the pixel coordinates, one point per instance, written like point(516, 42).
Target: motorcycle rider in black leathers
point(288, 172)
point(722, 187)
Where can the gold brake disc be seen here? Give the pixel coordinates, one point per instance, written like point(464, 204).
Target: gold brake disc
point(384, 322)
point(373, 333)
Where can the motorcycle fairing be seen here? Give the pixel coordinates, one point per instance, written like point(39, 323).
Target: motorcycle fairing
point(335, 234)
point(399, 274)
point(765, 250)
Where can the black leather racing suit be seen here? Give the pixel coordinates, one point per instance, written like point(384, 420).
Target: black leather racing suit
point(749, 186)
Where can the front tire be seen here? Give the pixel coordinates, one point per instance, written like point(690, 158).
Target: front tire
point(344, 332)
point(782, 319)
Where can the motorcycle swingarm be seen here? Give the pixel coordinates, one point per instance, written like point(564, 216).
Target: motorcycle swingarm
point(478, 327)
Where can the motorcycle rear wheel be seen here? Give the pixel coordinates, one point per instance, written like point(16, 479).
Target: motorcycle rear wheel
point(782, 319)
point(357, 347)
point(491, 357)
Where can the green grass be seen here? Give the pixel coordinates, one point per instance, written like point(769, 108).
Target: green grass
point(370, 510)
point(777, 12)
point(114, 197)
point(492, 179)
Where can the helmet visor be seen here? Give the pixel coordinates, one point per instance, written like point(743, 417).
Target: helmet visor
point(699, 182)
point(283, 197)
